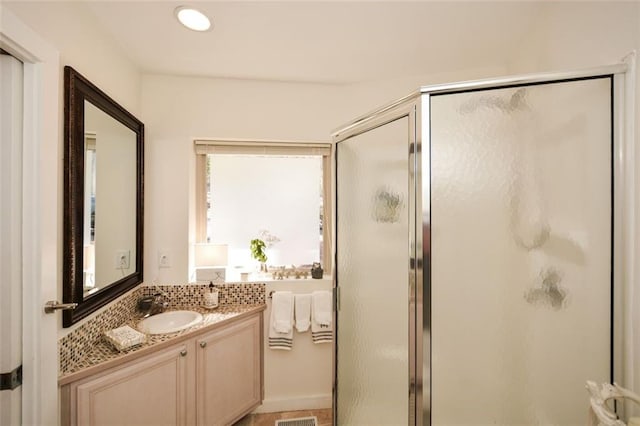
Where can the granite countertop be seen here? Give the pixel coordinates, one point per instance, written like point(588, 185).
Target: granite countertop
point(103, 355)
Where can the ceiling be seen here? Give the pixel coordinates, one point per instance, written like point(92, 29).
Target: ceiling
point(321, 42)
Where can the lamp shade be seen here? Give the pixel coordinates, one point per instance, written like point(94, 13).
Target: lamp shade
point(211, 255)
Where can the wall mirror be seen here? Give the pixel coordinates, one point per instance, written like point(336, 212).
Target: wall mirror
point(103, 198)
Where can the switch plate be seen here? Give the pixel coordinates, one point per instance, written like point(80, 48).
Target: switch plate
point(122, 259)
point(164, 259)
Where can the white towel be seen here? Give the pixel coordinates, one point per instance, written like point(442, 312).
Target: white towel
point(321, 317)
point(282, 311)
point(281, 322)
point(303, 312)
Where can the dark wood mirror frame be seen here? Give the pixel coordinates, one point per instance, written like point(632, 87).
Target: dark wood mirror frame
point(77, 90)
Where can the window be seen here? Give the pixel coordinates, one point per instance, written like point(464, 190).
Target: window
point(276, 191)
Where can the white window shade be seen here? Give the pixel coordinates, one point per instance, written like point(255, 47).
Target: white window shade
point(280, 194)
point(284, 197)
point(230, 146)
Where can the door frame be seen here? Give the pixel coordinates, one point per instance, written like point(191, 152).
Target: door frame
point(41, 227)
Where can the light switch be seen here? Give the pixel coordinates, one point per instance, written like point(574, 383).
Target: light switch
point(164, 259)
point(122, 259)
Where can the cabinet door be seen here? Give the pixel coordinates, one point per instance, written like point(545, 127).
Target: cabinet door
point(149, 391)
point(229, 373)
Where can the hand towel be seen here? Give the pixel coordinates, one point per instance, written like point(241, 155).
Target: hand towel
point(281, 321)
point(303, 312)
point(282, 311)
point(321, 317)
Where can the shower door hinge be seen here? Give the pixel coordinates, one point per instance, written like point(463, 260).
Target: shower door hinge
point(336, 299)
point(12, 379)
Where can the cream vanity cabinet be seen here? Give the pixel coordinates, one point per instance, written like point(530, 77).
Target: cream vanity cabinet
point(213, 378)
point(231, 356)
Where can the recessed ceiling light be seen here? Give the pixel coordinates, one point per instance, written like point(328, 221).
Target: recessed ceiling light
point(192, 18)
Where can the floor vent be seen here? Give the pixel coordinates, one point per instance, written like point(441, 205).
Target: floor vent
point(300, 421)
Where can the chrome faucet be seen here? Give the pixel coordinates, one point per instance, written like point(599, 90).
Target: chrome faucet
point(151, 305)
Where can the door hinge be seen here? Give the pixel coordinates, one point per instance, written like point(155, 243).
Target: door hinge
point(11, 380)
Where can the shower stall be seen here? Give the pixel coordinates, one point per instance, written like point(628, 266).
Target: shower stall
point(478, 241)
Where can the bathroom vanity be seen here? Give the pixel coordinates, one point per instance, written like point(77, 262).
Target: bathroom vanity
point(210, 374)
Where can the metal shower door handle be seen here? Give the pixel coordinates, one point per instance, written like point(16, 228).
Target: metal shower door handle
point(53, 305)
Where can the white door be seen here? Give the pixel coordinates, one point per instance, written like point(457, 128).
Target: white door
point(10, 238)
point(35, 226)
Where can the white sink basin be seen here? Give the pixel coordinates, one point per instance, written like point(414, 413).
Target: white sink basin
point(169, 322)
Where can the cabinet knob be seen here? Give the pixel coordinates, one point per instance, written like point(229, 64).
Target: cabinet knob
point(203, 344)
point(183, 352)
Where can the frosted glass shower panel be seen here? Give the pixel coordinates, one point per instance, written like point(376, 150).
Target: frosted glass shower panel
point(373, 277)
point(521, 252)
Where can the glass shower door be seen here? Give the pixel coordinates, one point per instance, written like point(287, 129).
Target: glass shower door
point(373, 277)
point(521, 252)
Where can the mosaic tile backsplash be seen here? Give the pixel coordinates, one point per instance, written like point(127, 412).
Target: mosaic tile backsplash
point(75, 345)
point(182, 296)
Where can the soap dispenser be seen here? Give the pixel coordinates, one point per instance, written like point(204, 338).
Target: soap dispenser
point(211, 297)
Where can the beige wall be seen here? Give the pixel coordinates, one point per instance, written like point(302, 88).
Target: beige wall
point(70, 29)
point(574, 35)
point(177, 110)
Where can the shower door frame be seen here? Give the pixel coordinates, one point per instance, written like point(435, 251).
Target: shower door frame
point(409, 108)
point(416, 106)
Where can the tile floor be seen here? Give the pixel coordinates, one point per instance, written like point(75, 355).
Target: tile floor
point(269, 419)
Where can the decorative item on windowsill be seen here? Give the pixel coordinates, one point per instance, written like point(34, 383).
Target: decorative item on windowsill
point(316, 270)
point(283, 272)
point(211, 262)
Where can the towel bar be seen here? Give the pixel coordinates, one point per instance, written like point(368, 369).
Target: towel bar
point(270, 296)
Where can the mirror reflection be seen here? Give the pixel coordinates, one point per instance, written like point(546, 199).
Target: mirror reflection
point(109, 226)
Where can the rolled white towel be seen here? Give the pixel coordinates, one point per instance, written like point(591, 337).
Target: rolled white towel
point(322, 307)
point(303, 312)
point(282, 311)
point(281, 321)
point(321, 317)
